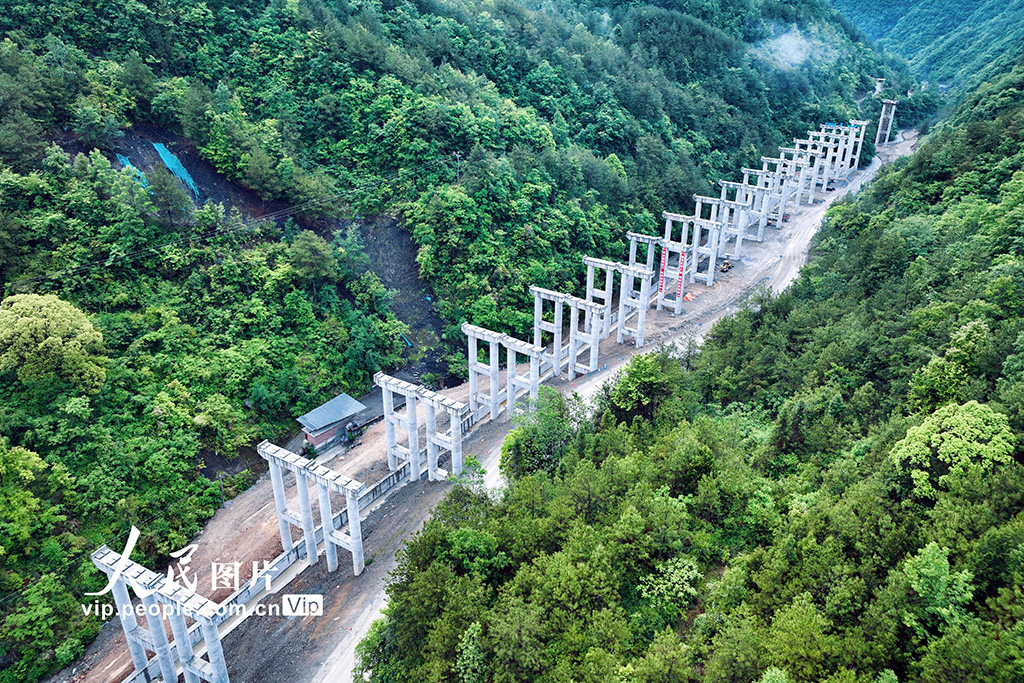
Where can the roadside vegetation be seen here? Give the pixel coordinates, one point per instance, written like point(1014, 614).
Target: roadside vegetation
point(829, 490)
point(138, 332)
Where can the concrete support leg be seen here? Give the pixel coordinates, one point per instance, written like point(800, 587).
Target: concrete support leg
point(742, 220)
point(129, 623)
point(162, 648)
point(276, 478)
point(574, 322)
point(389, 414)
point(590, 283)
point(327, 521)
point(558, 339)
point(306, 513)
point(214, 651)
point(714, 235)
point(412, 425)
point(538, 315)
point(431, 418)
point(625, 287)
point(641, 317)
point(590, 326)
point(355, 529)
point(609, 282)
point(534, 378)
point(495, 359)
point(510, 377)
point(473, 389)
point(182, 643)
point(697, 234)
point(455, 431)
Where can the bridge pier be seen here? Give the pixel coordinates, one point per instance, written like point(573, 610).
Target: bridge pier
point(162, 597)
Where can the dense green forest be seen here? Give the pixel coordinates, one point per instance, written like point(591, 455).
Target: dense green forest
point(830, 489)
point(139, 331)
point(962, 43)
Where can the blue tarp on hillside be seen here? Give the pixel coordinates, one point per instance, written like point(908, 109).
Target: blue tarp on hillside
point(136, 173)
point(176, 168)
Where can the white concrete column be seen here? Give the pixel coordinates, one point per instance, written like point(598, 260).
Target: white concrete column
point(306, 513)
point(625, 287)
point(389, 415)
point(534, 377)
point(714, 234)
point(641, 317)
point(609, 284)
point(574, 322)
point(763, 221)
point(510, 377)
point(558, 339)
point(327, 521)
point(590, 325)
point(431, 419)
point(472, 374)
point(742, 220)
point(355, 531)
point(413, 427)
point(800, 185)
point(129, 623)
point(214, 651)
point(859, 143)
point(162, 648)
point(455, 432)
point(495, 358)
point(538, 314)
point(782, 203)
point(182, 643)
point(695, 250)
point(281, 504)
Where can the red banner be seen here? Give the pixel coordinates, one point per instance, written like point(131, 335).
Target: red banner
point(664, 262)
point(682, 274)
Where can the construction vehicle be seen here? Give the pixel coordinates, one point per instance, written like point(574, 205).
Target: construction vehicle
point(725, 267)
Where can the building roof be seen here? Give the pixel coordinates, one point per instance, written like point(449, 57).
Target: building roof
point(338, 409)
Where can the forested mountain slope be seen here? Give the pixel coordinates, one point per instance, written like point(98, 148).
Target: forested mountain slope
point(830, 490)
point(959, 43)
point(573, 122)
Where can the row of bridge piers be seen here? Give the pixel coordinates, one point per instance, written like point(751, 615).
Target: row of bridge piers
point(618, 296)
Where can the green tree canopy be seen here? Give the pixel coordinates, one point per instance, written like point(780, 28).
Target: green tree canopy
point(951, 442)
point(43, 338)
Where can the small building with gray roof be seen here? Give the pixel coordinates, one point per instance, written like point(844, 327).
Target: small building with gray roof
point(325, 425)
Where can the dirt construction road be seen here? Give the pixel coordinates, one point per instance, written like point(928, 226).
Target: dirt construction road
point(322, 648)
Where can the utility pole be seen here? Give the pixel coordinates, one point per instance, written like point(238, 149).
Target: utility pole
point(458, 168)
